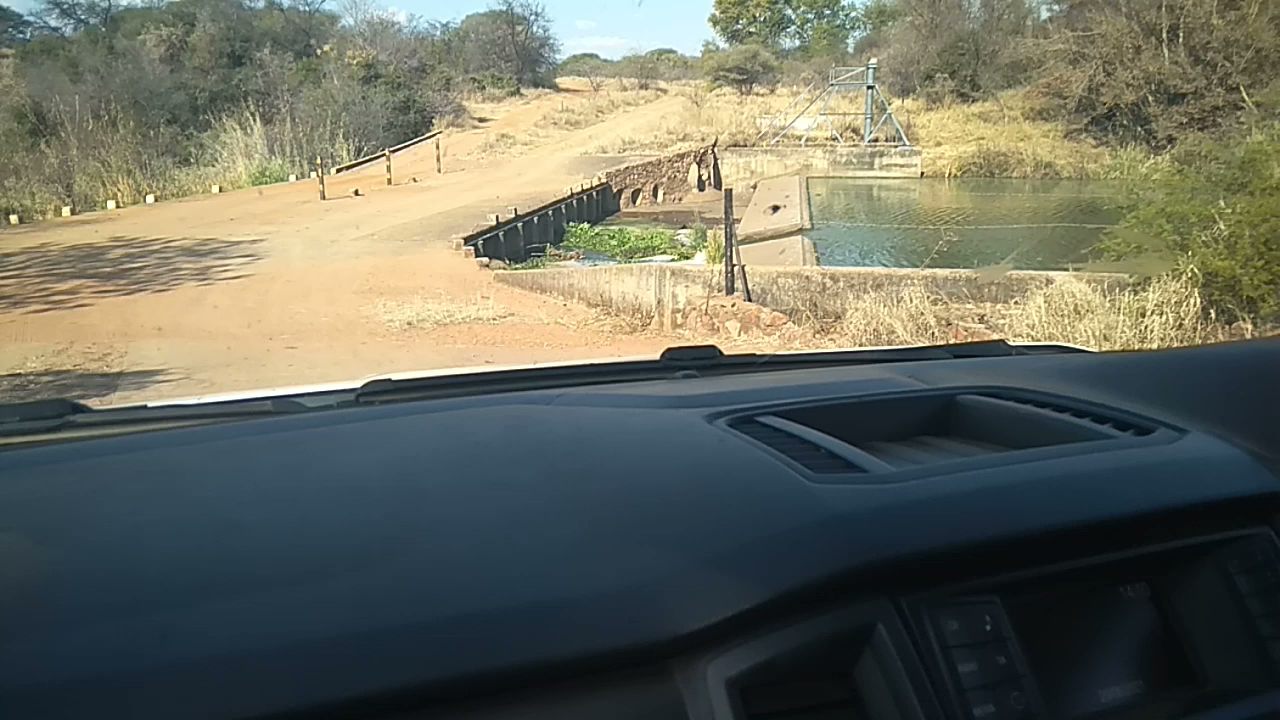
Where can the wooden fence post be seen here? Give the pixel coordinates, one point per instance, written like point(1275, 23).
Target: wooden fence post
point(728, 242)
point(320, 176)
point(387, 154)
point(439, 166)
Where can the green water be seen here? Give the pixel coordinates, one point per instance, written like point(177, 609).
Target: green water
point(966, 223)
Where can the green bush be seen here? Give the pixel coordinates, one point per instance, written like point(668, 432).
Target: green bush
point(1214, 208)
point(622, 243)
point(493, 85)
point(268, 172)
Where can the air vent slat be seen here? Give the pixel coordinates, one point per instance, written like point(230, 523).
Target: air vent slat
point(1114, 425)
point(810, 456)
point(927, 450)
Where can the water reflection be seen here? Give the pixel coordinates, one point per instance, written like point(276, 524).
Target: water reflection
point(966, 223)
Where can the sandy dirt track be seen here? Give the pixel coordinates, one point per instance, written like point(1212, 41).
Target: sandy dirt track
point(268, 286)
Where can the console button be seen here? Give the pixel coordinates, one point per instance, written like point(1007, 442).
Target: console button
point(969, 624)
point(1005, 702)
point(979, 665)
point(982, 705)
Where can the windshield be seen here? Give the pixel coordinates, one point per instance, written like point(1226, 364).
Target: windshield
point(230, 196)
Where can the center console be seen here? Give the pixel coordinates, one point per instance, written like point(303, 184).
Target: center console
point(1164, 632)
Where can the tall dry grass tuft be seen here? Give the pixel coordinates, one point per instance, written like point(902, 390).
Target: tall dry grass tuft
point(1000, 137)
point(1166, 311)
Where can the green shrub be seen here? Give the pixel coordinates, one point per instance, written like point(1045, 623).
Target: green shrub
point(1214, 208)
point(622, 243)
point(492, 85)
point(269, 171)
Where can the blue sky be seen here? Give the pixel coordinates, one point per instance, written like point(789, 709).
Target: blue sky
point(610, 28)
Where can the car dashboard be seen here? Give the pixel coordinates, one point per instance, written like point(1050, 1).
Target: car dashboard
point(1041, 536)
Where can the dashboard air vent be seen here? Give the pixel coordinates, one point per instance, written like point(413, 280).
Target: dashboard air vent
point(1107, 423)
point(811, 456)
point(902, 432)
point(827, 697)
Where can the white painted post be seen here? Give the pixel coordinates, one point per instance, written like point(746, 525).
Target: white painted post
point(66, 211)
point(112, 204)
point(215, 189)
point(293, 177)
point(313, 174)
point(150, 199)
point(14, 219)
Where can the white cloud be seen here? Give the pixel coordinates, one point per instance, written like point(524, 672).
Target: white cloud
point(585, 24)
point(599, 44)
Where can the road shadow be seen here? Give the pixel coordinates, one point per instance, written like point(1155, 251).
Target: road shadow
point(58, 276)
point(78, 384)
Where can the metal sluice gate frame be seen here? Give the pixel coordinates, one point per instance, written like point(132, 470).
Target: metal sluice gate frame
point(840, 80)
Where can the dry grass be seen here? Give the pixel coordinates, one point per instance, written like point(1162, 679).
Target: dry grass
point(594, 108)
point(993, 138)
point(425, 313)
point(997, 138)
point(1164, 312)
point(706, 115)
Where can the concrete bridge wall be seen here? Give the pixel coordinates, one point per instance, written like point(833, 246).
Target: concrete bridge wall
point(516, 238)
point(660, 293)
point(745, 165)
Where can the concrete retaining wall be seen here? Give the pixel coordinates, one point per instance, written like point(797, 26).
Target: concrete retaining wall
point(654, 292)
point(661, 292)
point(744, 165)
point(515, 238)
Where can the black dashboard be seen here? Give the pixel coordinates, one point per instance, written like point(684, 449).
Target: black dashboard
point(1043, 536)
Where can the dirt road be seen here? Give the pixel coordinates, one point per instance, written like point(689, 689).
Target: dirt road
point(268, 286)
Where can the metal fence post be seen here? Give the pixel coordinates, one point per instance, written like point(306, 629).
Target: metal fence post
point(870, 107)
point(728, 241)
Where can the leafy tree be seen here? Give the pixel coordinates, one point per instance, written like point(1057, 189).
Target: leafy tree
point(641, 70)
point(742, 68)
point(513, 38)
point(809, 25)
point(64, 17)
point(15, 28)
point(589, 66)
point(1152, 71)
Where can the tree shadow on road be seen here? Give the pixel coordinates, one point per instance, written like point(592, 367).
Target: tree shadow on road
point(78, 384)
point(60, 276)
